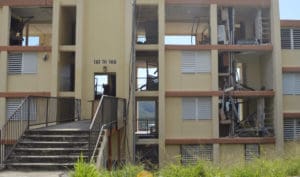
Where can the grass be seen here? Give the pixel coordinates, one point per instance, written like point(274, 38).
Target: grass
point(256, 168)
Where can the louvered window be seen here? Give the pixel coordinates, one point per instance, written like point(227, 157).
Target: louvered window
point(22, 63)
point(196, 108)
point(190, 154)
point(290, 38)
point(13, 107)
point(251, 151)
point(291, 83)
point(195, 62)
point(292, 129)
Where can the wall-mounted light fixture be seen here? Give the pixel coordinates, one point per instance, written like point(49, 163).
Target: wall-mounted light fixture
point(104, 69)
point(45, 57)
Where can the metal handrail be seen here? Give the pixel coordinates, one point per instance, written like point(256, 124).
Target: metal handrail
point(105, 116)
point(36, 111)
point(21, 129)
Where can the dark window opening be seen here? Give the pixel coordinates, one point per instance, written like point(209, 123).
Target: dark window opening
point(104, 84)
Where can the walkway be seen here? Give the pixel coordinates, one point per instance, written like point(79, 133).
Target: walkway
point(78, 125)
point(8, 173)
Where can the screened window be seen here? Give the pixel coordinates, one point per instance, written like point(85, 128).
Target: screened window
point(291, 83)
point(290, 38)
point(196, 108)
point(190, 154)
point(195, 62)
point(22, 63)
point(292, 129)
point(251, 151)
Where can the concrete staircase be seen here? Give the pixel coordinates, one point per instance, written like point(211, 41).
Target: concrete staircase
point(49, 149)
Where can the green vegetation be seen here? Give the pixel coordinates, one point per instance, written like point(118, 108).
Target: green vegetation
point(256, 168)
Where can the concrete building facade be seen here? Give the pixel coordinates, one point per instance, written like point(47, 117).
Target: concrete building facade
point(205, 79)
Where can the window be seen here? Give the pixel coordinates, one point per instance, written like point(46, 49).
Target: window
point(196, 108)
point(180, 40)
point(292, 129)
point(32, 41)
point(291, 83)
point(251, 151)
point(195, 62)
point(13, 107)
point(290, 38)
point(22, 63)
point(190, 154)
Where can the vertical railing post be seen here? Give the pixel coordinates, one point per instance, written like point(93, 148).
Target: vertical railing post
point(28, 114)
point(89, 151)
point(47, 107)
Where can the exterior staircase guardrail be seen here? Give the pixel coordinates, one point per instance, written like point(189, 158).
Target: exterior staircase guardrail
point(36, 112)
point(106, 116)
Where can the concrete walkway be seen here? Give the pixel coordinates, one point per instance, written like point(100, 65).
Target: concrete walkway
point(33, 174)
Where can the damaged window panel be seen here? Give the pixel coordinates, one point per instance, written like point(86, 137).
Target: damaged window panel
point(146, 24)
point(249, 115)
point(243, 26)
point(31, 26)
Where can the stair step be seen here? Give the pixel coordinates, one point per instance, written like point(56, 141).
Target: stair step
point(49, 144)
point(47, 156)
point(51, 149)
point(41, 164)
point(55, 132)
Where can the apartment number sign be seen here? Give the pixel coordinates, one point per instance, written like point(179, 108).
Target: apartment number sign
point(105, 61)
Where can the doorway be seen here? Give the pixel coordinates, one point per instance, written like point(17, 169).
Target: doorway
point(104, 84)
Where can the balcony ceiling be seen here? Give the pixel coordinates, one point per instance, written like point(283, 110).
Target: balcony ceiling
point(39, 14)
point(188, 13)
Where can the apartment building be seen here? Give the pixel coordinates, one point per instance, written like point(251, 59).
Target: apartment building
point(204, 79)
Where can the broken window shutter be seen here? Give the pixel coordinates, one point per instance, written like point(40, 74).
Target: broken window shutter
point(204, 108)
point(14, 63)
point(296, 37)
point(251, 151)
point(190, 154)
point(187, 62)
point(29, 63)
point(285, 38)
point(188, 108)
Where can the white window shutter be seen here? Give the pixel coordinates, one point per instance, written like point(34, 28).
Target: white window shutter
point(11, 106)
point(195, 62)
point(204, 108)
point(296, 37)
point(14, 63)
point(188, 62)
point(288, 83)
point(188, 108)
point(297, 129)
point(202, 62)
point(29, 63)
point(288, 126)
point(285, 38)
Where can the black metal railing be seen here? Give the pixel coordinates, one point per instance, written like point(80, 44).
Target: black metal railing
point(36, 112)
point(110, 113)
point(147, 128)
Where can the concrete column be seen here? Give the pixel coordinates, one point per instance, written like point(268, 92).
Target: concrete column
point(55, 48)
point(161, 95)
point(277, 75)
point(79, 48)
point(4, 41)
point(214, 24)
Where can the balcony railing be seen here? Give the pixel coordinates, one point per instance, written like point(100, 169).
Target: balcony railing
point(147, 128)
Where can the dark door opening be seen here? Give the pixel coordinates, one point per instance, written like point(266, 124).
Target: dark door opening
point(104, 84)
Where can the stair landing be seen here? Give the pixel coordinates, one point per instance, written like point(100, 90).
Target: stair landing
point(82, 125)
